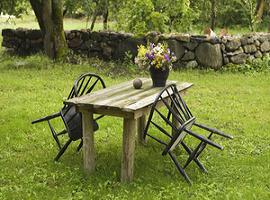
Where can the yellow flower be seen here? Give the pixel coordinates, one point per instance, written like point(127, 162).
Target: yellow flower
point(141, 51)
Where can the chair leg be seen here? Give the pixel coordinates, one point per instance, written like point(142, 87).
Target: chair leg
point(203, 146)
point(196, 160)
point(213, 130)
point(192, 155)
point(54, 134)
point(180, 169)
point(60, 153)
point(80, 146)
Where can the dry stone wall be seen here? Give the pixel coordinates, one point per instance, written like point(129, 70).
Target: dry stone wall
point(190, 50)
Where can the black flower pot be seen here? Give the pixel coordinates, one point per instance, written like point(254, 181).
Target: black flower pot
point(159, 76)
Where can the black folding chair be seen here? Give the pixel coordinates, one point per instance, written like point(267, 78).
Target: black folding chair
point(179, 113)
point(72, 120)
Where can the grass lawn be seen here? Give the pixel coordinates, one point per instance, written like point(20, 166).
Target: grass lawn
point(33, 87)
point(29, 21)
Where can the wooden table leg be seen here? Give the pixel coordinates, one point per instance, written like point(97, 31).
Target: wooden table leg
point(88, 142)
point(141, 122)
point(129, 133)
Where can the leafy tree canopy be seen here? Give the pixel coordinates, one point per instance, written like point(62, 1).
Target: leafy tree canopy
point(14, 7)
point(140, 16)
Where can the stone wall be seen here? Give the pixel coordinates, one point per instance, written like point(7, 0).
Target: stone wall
point(190, 50)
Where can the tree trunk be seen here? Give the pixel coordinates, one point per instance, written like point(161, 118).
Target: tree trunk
point(269, 16)
point(37, 7)
point(105, 15)
point(48, 24)
point(259, 10)
point(50, 19)
point(105, 19)
point(94, 20)
point(59, 38)
point(213, 14)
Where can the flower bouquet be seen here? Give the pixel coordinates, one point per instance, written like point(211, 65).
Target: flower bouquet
point(158, 59)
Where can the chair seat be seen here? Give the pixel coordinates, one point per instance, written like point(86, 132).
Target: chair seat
point(73, 121)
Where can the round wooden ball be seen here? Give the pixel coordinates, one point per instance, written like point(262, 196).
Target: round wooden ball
point(137, 83)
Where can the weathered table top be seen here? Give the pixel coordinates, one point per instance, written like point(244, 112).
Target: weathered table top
point(121, 100)
point(124, 97)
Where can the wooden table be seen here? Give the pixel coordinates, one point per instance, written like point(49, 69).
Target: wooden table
point(124, 101)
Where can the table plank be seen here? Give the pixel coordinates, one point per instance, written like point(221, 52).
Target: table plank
point(105, 93)
point(127, 97)
point(123, 96)
point(150, 99)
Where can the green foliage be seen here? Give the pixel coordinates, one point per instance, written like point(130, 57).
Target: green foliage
point(14, 7)
point(187, 21)
point(74, 8)
point(229, 12)
point(178, 12)
point(249, 7)
point(157, 22)
point(135, 16)
point(141, 16)
point(232, 15)
point(172, 15)
point(252, 66)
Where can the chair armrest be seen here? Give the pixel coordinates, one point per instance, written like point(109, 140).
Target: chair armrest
point(52, 116)
point(213, 130)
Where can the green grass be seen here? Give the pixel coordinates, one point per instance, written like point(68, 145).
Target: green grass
point(29, 21)
point(34, 86)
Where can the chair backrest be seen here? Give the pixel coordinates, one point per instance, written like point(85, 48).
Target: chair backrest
point(175, 104)
point(85, 84)
point(179, 108)
point(177, 111)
